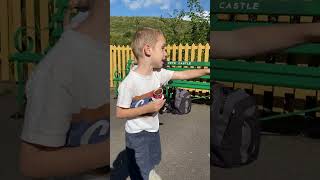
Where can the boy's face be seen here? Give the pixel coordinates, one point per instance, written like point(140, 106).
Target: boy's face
point(159, 53)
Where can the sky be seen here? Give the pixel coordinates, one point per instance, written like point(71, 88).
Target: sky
point(150, 7)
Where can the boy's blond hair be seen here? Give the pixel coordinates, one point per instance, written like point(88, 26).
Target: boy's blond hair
point(144, 36)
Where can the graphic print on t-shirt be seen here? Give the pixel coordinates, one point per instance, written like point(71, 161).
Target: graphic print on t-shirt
point(141, 100)
point(144, 99)
point(84, 132)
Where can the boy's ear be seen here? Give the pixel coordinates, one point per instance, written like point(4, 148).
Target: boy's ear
point(147, 50)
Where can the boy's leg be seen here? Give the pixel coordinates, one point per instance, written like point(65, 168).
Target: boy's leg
point(139, 157)
point(155, 150)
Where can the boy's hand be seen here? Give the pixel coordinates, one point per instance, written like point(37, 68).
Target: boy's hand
point(208, 71)
point(155, 106)
point(313, 32)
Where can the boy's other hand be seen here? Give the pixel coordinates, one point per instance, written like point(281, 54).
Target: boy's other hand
point(155, 106)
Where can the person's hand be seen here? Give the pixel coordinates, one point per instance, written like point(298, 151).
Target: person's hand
point(155, 106)
point(208, 71)
point(313, 32)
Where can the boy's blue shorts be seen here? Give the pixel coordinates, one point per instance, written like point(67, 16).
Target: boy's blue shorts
point(144, 152)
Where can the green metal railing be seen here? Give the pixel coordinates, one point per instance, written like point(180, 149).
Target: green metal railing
point(25, 54)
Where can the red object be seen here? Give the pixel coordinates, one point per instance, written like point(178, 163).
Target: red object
point(158, 93)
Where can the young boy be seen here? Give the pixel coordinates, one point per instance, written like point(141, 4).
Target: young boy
point(66, 127)
point(142, 125)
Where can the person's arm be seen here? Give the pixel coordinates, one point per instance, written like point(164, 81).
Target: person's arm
point(151, 107)
point(190, 74)
point(92, 115)
point(253, 41)
point(39, 162)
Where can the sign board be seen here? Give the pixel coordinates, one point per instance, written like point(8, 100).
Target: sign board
point(268, 7)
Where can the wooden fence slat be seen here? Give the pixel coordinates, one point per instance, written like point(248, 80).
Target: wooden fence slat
point(224, 16)
point(115, 65)
point(306, 19)
point(123, 59)
point(4, 44)
point(118, 60)
point(206, 52)
point(199, 55)
point(186, 52)
point(16, 23)
point(169, 52)
point(303, 93)
point(262, 18)
point(30, 18)
point(193, 48)
point(284, 19)
point(111, 69)
point(258, 90)
point(127, 53)
point(281, 92)
point(241, 17)
point(174, 52)
point(180, 48)
point(44, 23)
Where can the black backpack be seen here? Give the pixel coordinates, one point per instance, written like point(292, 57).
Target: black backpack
point(180, 104)
point(234, 128)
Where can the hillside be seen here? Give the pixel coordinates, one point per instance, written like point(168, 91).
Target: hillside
point(123, 28)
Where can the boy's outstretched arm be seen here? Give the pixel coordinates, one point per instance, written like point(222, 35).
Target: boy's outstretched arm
point(253, 41)
point(190, 74)
point(39, 162)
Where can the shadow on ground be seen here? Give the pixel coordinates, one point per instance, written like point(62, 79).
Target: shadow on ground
point(120, 167)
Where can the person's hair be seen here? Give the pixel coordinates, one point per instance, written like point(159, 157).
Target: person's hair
point(142, 37)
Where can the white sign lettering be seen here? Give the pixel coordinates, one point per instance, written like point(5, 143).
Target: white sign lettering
point(239, 5)
point(179, 63)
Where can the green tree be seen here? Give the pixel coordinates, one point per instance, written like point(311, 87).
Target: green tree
point(174, 28)
point(197, 30)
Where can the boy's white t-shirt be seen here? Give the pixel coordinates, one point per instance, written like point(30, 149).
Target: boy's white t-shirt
point(72, 76)
point(135, 85)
